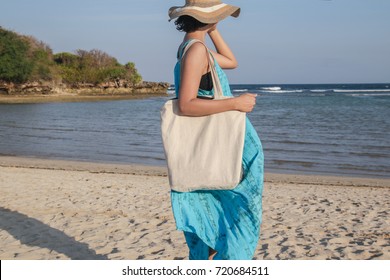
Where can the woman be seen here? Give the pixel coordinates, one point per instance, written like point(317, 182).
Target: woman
point(218, 224)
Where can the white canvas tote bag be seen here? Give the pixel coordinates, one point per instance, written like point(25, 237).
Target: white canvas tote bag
point(203, 153)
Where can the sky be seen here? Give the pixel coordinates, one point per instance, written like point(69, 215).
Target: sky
point(275, 41)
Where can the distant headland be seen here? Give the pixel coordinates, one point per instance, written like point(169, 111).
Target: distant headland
point(31, 72)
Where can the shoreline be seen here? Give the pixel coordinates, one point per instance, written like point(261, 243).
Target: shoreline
point(161, 171)
point(54, 98)
point(55, 209)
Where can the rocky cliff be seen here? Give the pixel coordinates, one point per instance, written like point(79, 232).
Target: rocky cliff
point(117, 87)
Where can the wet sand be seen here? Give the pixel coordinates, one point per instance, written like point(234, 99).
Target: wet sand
point(54, 98)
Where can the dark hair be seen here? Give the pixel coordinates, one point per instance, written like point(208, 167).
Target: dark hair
point(188, 24)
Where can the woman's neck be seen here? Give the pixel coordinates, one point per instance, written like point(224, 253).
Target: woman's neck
point(199, 35)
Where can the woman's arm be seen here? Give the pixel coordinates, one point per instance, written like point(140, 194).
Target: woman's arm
point(224, 55)
point(192, 67)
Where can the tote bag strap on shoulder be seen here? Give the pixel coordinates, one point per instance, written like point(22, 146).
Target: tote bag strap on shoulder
point(218, 93)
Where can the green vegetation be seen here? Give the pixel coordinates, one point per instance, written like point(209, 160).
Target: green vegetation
point(15, 65)
point(94, 67)
point(24, 58)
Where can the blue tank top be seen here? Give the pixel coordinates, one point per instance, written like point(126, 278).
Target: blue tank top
point(201, 92)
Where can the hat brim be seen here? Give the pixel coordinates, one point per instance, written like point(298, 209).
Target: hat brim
point(205, 17)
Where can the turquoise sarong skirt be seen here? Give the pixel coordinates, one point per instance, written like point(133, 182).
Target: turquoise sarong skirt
point(227, 221)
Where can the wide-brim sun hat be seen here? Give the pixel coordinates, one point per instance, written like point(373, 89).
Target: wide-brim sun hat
point(206, 11)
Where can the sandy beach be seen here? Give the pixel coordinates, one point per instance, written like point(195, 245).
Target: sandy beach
point(51, 209)
point(69, 97)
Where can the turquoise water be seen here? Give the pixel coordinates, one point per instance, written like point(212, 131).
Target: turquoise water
point(316, 129)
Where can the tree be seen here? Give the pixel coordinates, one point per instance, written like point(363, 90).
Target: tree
point(132, 74)
point(94, 67)
point(24, 58)
point(15, 65)
point(41, 57)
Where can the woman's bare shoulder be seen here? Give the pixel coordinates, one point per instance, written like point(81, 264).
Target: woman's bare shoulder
point(197, 51)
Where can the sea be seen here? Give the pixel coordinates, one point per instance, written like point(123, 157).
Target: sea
point(330, 129)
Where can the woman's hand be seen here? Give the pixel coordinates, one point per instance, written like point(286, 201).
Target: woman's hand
point(245, 102)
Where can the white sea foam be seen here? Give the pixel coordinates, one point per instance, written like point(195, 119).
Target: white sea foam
point(319, 90)
point(240, 90)
point(282, 91)
point(271, 88)
point(361, 90)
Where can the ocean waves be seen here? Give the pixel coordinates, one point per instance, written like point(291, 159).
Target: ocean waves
point(361, 90)
point(354, 90)
point(323, 129)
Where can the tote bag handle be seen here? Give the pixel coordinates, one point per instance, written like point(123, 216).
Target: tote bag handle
point(218, 93)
